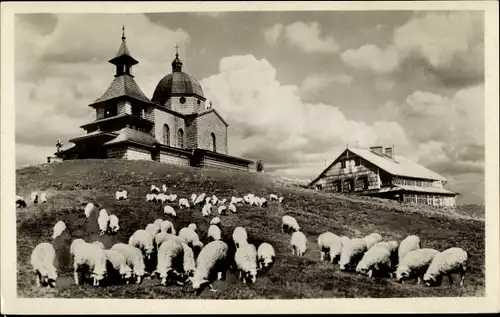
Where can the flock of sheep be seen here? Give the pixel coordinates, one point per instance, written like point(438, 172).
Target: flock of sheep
point(180, 257)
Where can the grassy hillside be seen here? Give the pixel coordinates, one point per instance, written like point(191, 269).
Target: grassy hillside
point(72, 183)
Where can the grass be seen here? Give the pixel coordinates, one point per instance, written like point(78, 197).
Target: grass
point(72, 183)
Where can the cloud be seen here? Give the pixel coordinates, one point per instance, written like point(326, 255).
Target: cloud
point(315, 83)
point(302, 35)
point(384, 85)
point(372, 57)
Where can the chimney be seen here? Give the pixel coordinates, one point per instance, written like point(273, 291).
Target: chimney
point(388, 151)
point(377, 149)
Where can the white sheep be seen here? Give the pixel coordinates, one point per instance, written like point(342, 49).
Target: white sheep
point(161, 197)
point(59, 227)
point(214, 200)
point(409, 243)
point(222, 201)
point(20, 202)
point(212, 259)
point(372, 239)
point(193, 198)
point(154, 189)
point(330, 243)
point(121, 195)
point(206, 210)
point(245, 259)
point(173, 197)
point(191, 237)
point(265, 255)
point(375, 261)
point(119, 264)
point(261, 202)
point(214, 233)
point(42, 261)
point(170, 259)
point(167, 226)
point(280, 200)
point(34, 197)
point(152, 229)
point(142, 240)
point(133, 257)
point(232, 208)
point(299, 243)
point(164, 236)
point(113, 223)
point(103, 221)
point(222, 210)
point(158, 222)
point(415, 264)
point(448, 262)
point(199, 199)
point(88, 209)
point(43, 197)
point(183, 203)
point(168, 210)
point(193, 226)
point(164, 188)
point(189, 260)
point(351, 253)
point(150, 197)
point(99, 244)
point(239, 236)
point(208, 200)
point(236, 200)
point(289, 222)
point(91, 256)
point(215, 221)
point(273, 197)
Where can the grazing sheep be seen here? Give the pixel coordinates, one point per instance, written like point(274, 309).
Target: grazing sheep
point(265, 255)
point(91, 256)
point(183, 203)
point(121, 195)
point(208, 200)
point(149, 197)
point(214, 200)
point(236, 200)
point(351, 254)
point(154, 189)
point(169, 211)
point(42, 261)
point(158, 222)
point(119, 265)
point(164, 188)
point(289, 222)
point(299, 243)
point(452, 260)
point(34, 197)
point(239, 236)
point(193, 199)
point(113, 223)
point(222, 210)
point(375, 261)
point(206, 210)
point(199, 199)
point(273, 197)
point(410, 243)
point(43, 197)
point(222, 202)
point(133, 257)
point(232, 208)
point(163, 236)
point(214, 233)
point(173, 197)
point(103, 221)
point(142, 240)
point(59, 227)
point(191, 237)
point(280, 200)
point(170, 260)
point(152, 229)
point(212, 259)
point(372, 239)
point(189, 260)
point(20, 202)
point(330, 243)
point(261, 202)
point(245, 259)
point(161, 197)
point(99, 244)
point(215, 221)
point(89, 208)
point(415, 264)
point(193, 226)
point(168, 227)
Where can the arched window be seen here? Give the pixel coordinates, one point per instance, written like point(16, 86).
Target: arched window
point(214, 147)
point(166, 135)
point(180, 141)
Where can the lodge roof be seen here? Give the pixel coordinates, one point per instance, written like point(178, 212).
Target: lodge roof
point(128, 135)
point(123, 86)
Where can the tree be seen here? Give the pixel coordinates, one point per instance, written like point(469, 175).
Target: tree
point(260, 166)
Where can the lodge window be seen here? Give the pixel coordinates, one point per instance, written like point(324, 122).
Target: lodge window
point(166, 135)
point(137, 111)
point(214, 147)
point(357, 162)
point(110, 112)
point(180, 141)
point(342, 164)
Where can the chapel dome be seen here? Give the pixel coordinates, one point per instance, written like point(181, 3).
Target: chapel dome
point(176, 83)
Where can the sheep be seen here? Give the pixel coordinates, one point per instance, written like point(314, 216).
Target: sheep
point(164, 236)
point(43, 197)
point(351, 254)
point(206, 210)
point(34, 197)
point(169, 211)
point(221, 210)
point(134, 259)
point(280, 200)
point(91, 255)
point(113, 223)
point(245, 259)
point(222, 202)
point(239, 236)
point(59, 227)
point(151, 197)
point(452, 260)
point(299, 243)
point(152, 229)
point(189, 260)
point(261, 202)
point(193, 226)
point(236, 200)
point(99, 244)
point(121, 195)
point(376, 260)
point(154, 189)
point(183, 203)
point(119, 265)
point(330, 243)
point(164, 188)
point(161, 197)
point(372, 239)
point(214, 200)
point(158, 222)
point(289, 222)
point(89, 208)
point(103, 221)
point(170, 258)
point(215, 221)
point(212, 259)
point(168, 227)
point(191, 237)
point(415, 264)
point(142, 240)
point(172, 197)
point(199, 199)
point(265, 255)
point(273, 197)
point(193, 198)
point(409, 243)
point(232, 208)
point(208, 200)
point(20, 202)
point(214, 233)
point(42, 261)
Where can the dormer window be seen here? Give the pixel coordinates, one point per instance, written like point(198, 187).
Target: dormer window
point(110, 112)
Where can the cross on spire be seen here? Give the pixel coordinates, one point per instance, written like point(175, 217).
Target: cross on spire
point(123, 33)
point(176, 50)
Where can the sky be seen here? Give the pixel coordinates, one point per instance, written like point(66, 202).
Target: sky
point(295, 87)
